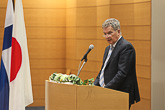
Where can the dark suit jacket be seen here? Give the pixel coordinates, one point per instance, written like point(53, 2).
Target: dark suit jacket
point(120, 72)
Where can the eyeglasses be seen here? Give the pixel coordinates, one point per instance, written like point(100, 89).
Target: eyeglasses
point(108, 34)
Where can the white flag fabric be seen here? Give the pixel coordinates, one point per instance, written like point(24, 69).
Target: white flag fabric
point(15, 78)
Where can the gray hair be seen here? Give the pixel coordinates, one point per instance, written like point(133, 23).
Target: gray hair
point(114, 23)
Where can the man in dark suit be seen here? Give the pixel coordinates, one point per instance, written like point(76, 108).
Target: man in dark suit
point(118, 71)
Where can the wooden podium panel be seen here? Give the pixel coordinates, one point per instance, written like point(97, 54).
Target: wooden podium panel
point(60, 96)
point(74, 97)
point(97, 98)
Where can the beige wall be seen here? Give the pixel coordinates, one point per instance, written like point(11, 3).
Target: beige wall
point(60, 31)
point(158, 55)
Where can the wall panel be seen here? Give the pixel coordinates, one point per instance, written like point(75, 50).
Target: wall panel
point(86, 33)
point(124, 13)
point(45, 17)
point(70, 33)
point(143, 52)
point(71, 3)
point(143, 71)
point(38, 95)
point(144, 88)
point(136, 1)
point(45, 32)
point(84, 3)
point(2, 17)
point(72, 64)
point(144, 104)
point(3, 3)
point(103, 2)
point(47, 63)
point(86, 16)
point(41, 94)
point(142, 43)
point(46, 48)
point(1, 32)
point(103, 13)
point(71, 47)
point(44, 4)
point(128, 32)
point(100, 33)
point(142, 32)
point(121, 1)
point(71, 17)
point(142, 13)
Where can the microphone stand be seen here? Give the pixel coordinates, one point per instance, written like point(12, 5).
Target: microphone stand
point(79, 69)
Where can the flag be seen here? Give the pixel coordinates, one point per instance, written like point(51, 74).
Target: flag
point(15, 78)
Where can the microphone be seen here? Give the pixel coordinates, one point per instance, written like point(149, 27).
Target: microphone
point(90, 48)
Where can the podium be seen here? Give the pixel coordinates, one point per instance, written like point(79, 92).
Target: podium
point(74, 97)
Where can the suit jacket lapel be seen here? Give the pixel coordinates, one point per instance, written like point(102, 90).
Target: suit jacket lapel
point(115, 50)
point(106, 54)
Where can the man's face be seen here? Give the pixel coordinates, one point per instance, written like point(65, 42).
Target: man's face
point(110, 35)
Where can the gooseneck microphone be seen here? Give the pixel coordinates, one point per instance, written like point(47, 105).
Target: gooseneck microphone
point(85, 59)
point(89, 49)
